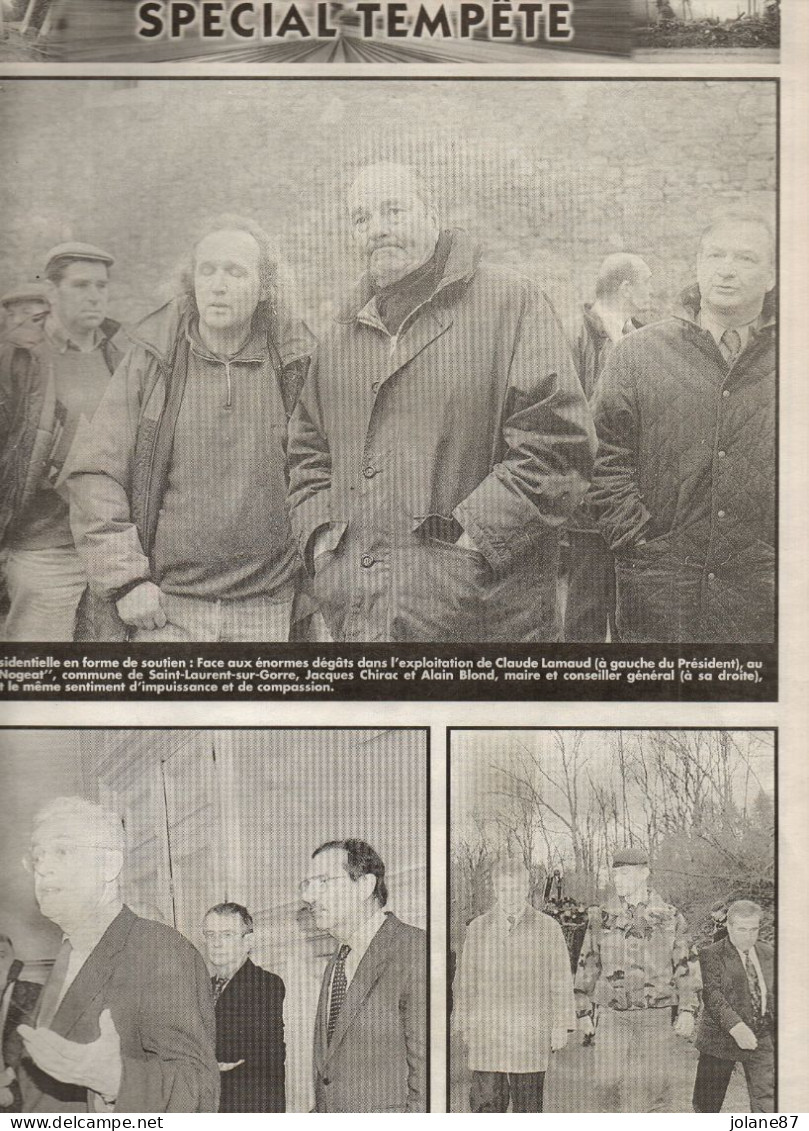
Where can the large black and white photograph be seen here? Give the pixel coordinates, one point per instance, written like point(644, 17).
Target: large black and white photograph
point(279, 366)
point(612, 920)
point(214, 920)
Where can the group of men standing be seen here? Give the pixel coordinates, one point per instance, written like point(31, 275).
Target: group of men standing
point(132, 1019)
point(409, 477)
point(634, 993)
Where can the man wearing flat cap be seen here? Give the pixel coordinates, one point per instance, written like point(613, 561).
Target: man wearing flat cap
point(49, 391)
point(635, 982)
point(24, 310)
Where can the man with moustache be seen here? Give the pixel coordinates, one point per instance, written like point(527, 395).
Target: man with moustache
point(50, 387)
point(441, 439)
point(125, 1021)
point(249, 1005)
point(370, 1040)
point(178, 499)
point(684, 486)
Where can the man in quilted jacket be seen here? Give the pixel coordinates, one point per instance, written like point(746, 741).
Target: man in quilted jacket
point(684, 486)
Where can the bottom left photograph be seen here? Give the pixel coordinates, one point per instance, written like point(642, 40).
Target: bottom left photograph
point(203, 920)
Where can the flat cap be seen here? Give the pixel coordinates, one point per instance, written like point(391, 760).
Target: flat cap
point(29, 292)
point(629, 856)
point(75, 250)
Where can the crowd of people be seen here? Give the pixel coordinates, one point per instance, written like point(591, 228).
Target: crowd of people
point(636, 991)
point(216, 474)
point(132, 1018)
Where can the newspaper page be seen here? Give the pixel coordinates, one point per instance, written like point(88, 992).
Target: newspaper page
point(403, 559)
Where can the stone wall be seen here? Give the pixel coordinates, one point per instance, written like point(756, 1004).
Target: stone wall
point(552, 175)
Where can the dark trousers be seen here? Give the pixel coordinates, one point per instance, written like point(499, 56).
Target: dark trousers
point(713, 1077)
point(491, 1091)
point(590, 607)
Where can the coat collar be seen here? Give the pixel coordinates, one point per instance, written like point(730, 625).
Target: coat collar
point(158, 331)
point(91, 979)
point(462, 262)
point(690, 301)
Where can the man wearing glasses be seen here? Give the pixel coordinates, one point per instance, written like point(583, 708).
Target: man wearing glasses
point(125, 1021)
point(370, 1041)
point(249, 1004)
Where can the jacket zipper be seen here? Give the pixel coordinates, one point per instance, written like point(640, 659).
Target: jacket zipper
point(229, 400)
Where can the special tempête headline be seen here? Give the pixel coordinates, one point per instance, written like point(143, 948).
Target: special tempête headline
point(548, 21)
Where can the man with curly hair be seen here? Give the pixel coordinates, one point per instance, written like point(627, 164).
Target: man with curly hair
point(178, 500)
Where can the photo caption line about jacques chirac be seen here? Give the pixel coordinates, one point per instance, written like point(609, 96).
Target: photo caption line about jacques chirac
point(401, 673)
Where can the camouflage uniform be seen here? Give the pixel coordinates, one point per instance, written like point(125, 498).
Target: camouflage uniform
point(633, 976)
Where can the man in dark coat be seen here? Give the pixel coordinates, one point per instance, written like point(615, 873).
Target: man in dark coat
point(17, 1002)
point(249, 1004)
point(622, 296)
point(738, 1020)
point(370, 1039)
point(49, 391)
point(441, 439)
point(125, 1022)
point(684, 486)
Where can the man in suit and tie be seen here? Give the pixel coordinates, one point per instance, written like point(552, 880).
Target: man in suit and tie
point(17, 1001)
point(370, 1042)
point(125, 1022)
point(249, 1004)
point(738, 994)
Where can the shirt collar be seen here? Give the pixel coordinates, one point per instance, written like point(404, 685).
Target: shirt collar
point(362, 936)
point(253, 350)
point(716, 329)
point(86, 937)
point(518, 916)
point(61, 341)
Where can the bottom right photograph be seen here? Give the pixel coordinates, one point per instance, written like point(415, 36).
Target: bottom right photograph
point(612, 920)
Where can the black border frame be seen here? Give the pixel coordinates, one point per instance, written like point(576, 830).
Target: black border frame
point(426, 732)
point(773, 730)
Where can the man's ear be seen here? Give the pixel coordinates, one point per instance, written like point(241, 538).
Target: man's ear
point(368, 885)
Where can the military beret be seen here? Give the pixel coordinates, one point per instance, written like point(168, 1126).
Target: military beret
point(629, 856)
point(30, 292)
point(77, 251)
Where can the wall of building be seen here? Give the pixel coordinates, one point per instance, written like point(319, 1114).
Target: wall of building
point(551, 175)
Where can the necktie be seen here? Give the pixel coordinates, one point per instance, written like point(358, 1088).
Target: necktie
point(339, 985)
point(731, 345)
point(52, 992)
point(219, 983)
point(512, 919)
point(753, 984)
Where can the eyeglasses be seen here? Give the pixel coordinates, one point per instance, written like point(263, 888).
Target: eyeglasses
point(223, 936)
point(317, 883)
point(58, 854)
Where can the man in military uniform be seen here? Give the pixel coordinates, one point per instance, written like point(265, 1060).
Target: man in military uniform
point(635, 980)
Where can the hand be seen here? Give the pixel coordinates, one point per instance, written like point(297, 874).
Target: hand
point(228, 1066)
point(558, 1039)
point(8, 1076)
point(6, 1097)
point(744, 1036)
point(141, 607)
point(96, 1066)
point(684, 1025)
point(585, 1025)
point(466, 543)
